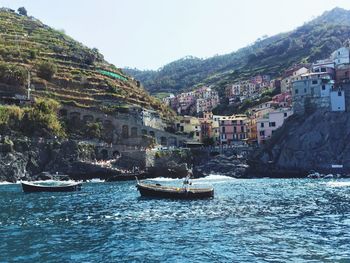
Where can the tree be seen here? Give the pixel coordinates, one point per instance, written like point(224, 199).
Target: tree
point(22, 11)
point(46, 70)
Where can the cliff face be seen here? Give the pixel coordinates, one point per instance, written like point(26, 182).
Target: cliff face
point(22, 158)
point(308, 142)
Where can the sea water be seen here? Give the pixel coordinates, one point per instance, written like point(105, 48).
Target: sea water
point(259, 220)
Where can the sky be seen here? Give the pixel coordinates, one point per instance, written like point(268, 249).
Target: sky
point(148, 34)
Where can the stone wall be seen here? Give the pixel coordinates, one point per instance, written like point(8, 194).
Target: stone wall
point(126, 128)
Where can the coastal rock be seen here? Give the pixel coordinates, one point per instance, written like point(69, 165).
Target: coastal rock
point(308, 142)
point(28, 158)
point(228, 165)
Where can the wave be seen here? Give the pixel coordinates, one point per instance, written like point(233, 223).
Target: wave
point(163, 179)
point(211, 177)
point(95, 180)
point(338, 184)
point(215, 177)
point(5, 183)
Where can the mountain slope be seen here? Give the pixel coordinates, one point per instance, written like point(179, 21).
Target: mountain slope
point(64, 69)
point(272, 55)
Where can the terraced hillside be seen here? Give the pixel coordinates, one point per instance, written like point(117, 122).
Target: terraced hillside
point(64, 69)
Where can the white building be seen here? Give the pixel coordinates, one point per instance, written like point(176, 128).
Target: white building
point(341, 56)
point(338, 100)
point(267, 125)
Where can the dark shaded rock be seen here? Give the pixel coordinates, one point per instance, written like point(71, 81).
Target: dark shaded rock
point(304, 143)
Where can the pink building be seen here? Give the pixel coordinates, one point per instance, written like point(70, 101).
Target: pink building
point(184, 101)
point(233, 128)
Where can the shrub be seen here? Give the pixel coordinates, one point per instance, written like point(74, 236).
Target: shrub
point(32, 54)
point(42, 119)
point(12, 74)
point(46, 70)
point(93, 130)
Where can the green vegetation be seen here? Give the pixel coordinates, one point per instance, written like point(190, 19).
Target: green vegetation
point(93, 130)
point(40, 119)
point(46, 70)
point(12, 74)
point(270, 55)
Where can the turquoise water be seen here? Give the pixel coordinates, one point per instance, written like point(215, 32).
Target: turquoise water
point(263, 220)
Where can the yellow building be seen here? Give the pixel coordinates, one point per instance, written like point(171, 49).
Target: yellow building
point(191, 126)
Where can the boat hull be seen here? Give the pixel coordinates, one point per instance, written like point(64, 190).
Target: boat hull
point(31, 188)
point(173, 192)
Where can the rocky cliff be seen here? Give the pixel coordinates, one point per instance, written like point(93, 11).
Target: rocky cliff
point(308, 142)
point(23, 158)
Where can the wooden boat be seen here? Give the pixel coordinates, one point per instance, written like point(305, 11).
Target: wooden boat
point(157, 190)
point(52, 186)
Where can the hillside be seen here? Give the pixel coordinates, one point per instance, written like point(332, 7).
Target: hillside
point(64, 69)
point(272, 55)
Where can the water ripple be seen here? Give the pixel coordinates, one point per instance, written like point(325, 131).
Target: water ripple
point(260, 220)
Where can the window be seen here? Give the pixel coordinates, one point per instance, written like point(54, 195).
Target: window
point(262, 133)
point(285, 114)
point(197, 133)
point(323, 70)
point(242, 129)
point(234, 129)
point(272, 124)
point(305, 90)
point(223, 129)
point(339, 93)
point(296, 91)
point(241, 122)
point(262, 125)
point(314, 82)
point(323, 87)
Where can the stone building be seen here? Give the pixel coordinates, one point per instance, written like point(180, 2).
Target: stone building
point(312, 92)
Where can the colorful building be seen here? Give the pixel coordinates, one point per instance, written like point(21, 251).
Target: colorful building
point(190, 126)
point(270, 122)
point(233, 128)
point(291, 75)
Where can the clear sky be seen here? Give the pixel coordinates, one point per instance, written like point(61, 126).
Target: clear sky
point(150, 33)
